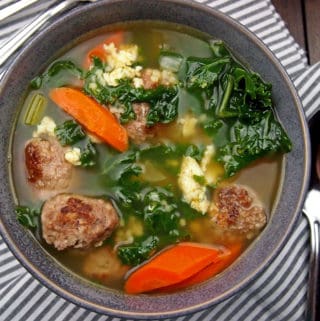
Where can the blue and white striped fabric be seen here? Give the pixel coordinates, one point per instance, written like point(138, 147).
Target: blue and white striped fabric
point(279, 293)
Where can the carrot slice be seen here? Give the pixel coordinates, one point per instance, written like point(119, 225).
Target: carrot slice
point(94, 117)
point(222, 262)
point(99, 52)
point(170, 267)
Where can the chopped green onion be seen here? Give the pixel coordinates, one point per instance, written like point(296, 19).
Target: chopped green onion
point(35, 109)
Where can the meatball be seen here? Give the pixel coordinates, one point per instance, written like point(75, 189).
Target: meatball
point(104, 266)
point(237, 208)
point(137, 129)
point(45, 164)
point(70, 220)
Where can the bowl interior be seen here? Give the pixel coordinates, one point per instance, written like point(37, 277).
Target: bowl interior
point(74, 27)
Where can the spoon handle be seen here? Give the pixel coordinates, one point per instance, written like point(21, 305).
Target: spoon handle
point(20, 37)
point(313, 291)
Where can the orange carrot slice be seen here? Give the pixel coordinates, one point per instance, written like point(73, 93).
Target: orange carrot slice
point(99, 52)
point(221, 263)
point(94, 117)
point(171, 266)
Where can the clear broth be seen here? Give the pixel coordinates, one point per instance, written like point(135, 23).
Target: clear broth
point(263, 176)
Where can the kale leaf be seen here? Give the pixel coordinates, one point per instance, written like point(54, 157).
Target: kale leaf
point(171, 154)
point(238, 108)
point(27, 217)
point(69, 132)
point(204, 72)
point(231, 90)
point(212, 125)
point(194, 151)
point(159, 209)
point(241, 95)
point(54, 70)
point(121, 96)
point(160, 212)
point(250, 141)
point(88, 155)
point(122, 166)
point(218, 48)
point(127, 196)
point(163, 109)
point(139, 251)
point(163, 100)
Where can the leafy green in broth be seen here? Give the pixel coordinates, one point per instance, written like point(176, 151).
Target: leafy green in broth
point(215, 101)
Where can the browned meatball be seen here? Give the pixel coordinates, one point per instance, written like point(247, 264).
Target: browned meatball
point(137, 129)
point(46, 167)
point(103, 265)
point(70, 220)
point(237, 208)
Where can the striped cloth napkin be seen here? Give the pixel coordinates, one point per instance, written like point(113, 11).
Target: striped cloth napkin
point(279, 293)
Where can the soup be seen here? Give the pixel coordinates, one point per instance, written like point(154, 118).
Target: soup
point(151, 157)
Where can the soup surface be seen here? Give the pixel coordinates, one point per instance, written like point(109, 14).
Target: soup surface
point(147, 158)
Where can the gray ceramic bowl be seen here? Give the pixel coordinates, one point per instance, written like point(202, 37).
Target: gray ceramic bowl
point(45, 47)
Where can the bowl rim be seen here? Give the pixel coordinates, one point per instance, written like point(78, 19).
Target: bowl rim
point(295, 215)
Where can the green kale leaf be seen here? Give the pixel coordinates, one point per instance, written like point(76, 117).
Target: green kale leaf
point(122, 167)
point(232, 91)
point(171, 154)
point(69, 132)
point(160, 212)
point(55, 69)
point(249, 141)
point(204, 72)
point(163, 109)
point(158, 208)
point(88, 155)
point(139, 251)
point(171, 151)
point(28, 217)
point(219, 49)
point(241, 94)
point(238, 108)
point(127, 196)
point(163, 100)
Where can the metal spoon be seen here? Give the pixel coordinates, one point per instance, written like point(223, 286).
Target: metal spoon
point(312, 212)
point(20, 37)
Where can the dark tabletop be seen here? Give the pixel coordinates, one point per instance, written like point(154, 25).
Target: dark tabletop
point(303, 20)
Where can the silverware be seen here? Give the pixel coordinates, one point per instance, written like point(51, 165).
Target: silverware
point(14, 8)
point(312, 212)
point(20, 37)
